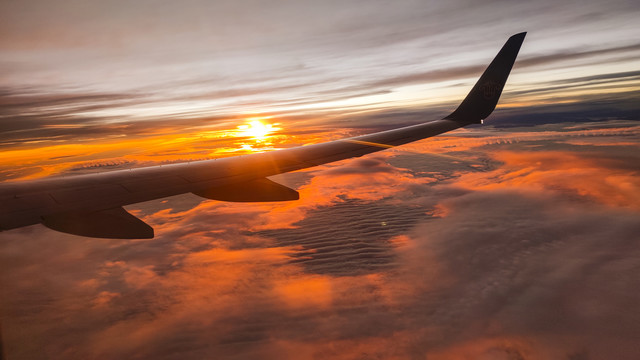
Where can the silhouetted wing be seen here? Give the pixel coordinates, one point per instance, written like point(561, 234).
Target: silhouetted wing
point(91, 205)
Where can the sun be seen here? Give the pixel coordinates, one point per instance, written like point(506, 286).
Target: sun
point(256, 129)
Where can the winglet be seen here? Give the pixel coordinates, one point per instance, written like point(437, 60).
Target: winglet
point(482, 99)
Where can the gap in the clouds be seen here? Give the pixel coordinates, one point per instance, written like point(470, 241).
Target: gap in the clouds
point(352, 237)
point(355, 236)
point(443, 166)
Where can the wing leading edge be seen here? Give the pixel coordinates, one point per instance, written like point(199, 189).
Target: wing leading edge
point(91, 205)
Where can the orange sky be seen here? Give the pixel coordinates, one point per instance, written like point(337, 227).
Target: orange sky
point(173, 84)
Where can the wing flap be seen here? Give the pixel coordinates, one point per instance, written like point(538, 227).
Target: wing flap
point(114, 223)
point(251, 191)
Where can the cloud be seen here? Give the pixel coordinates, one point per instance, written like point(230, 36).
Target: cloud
point(191, 60)
point(603, 77)
point(484, 263)
point(520, 264)
point(574, 55)
point(462, 72)
point(607, 180)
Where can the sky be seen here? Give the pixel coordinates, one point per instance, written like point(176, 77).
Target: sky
point(512, 240)
point(166, 81)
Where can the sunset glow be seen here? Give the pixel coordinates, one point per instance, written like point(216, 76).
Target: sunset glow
point(515, 239)
point(257, 129)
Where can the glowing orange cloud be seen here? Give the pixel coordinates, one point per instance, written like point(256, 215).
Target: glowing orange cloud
point(594, 177)
point(305, 292)
point(29, 161)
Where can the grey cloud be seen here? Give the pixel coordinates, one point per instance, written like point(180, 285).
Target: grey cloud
point(432, 76)
point(345, 41)
point(25, 101)
point(224, 41)
point(622, 76)
point(595, 108)
point(608, 82)
point(385, 84)
point(573, 55)
point(531, 61)
point(534, 264)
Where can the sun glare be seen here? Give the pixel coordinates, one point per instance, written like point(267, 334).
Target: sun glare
point(257, 129)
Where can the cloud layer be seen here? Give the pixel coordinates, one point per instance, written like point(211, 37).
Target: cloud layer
point(513, 245)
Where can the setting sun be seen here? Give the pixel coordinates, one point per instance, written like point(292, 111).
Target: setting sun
point(257, 129)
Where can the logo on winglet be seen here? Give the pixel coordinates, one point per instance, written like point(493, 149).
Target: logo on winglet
point(491, 89)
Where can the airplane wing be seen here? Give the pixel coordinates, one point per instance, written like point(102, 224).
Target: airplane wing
point(92, 205)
